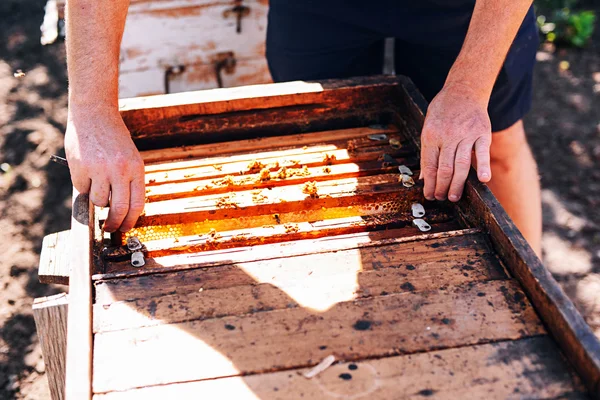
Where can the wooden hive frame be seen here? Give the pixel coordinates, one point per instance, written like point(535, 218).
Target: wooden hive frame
point(194, 120)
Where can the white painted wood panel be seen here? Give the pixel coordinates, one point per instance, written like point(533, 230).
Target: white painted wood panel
point(195, 77)
point(167, 33)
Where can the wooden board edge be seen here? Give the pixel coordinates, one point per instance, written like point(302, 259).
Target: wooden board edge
point(233, 95)
point(52, 269)
point(298, 251)
point(480, 208)
point(78, 384)
point(50, 315)
point(562, 319)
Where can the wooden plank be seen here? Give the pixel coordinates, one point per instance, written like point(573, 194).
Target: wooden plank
point(248, 146)
point(190, 33)
point(220, 114)
point(264, 252)
point(79, 332)
point(563, 320)
point(254, 97)
point(526, 368)
point(50, 314)
point(410, 257)
point(313, 155)
point(359, 196)
point(54, 258)
point(278, 233)
point(278, 177)
point(263, 285)
point(292, 338)
point(195, 76)
point(566, 324)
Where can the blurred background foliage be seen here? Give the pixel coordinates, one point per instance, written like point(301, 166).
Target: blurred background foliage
point(564, 22)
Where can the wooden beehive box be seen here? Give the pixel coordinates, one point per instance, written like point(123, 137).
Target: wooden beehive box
point(172, 46)
point(277, 233)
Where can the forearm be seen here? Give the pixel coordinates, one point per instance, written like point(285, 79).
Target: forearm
point(94, 32)
point(493, 27)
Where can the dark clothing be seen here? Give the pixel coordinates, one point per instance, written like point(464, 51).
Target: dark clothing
point(322, 39)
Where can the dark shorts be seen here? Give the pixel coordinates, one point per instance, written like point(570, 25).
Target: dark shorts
point(323, 39)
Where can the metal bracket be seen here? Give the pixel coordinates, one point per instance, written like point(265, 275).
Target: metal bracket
point(240, 12)
point(170, 72)
point(224, 61)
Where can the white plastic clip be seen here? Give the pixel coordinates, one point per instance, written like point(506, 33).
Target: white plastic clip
point(407, 181)
point(137, 259)
point(417, 210)
point(378, 137)
point(422, 225)
point(133, 243)
point(404, 170)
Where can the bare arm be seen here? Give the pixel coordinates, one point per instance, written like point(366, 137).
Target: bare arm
point(102, 157)
point(457, 121)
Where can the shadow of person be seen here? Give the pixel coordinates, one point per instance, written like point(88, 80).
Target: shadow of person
point(257, 325)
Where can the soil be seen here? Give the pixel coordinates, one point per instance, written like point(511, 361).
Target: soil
point(563, 128)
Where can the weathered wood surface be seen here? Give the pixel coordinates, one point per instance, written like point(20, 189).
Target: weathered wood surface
point(189, 32)
point(79, 327)
point(528, 368)
point(50, 314)
point(219, 115)
point(151, 81)
point(262, 312)
point(317, 279)
point(219, 270)
point(54, 258)
point(373, 327)
point(480, 208)
point(227, 255)
point(574, 335)
point(274, 147)
point(236, 238)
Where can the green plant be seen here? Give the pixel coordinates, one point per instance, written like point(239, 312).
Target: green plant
point(559, 23)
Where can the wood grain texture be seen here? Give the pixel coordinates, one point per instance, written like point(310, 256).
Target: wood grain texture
point(315, 281)
point(563, 320)
point(310, 155)
point(272, 146)
point(189, 33)
point(117, 270)
point(374, 327)
point(79, 331)
point(50, 315)
point(173, 243)
point(221, 115)
point(479, 207)
point(360, 196)
point(431, 250)
point(54, 258)
point(527, 368)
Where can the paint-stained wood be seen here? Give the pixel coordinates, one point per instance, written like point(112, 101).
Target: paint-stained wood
point(527, 368)
point(151, 81)
point(50, 314)
point(79, 326)
point(186, 33)
point(54, 258)
point(291, 338)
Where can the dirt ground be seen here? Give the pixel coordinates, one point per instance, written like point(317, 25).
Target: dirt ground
point(563, 127)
